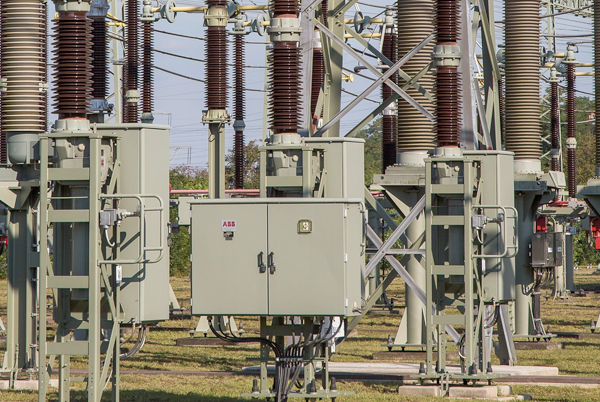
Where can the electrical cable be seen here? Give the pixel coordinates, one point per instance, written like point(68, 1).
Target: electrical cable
point(198, 79)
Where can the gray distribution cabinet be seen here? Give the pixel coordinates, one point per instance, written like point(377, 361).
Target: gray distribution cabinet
point(144, 154)
point(277, 257)
point(546, 250)
point(497, 188)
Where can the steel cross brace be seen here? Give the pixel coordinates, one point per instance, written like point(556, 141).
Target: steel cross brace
point(385, 248)
point(408, 279)
point(382, 78)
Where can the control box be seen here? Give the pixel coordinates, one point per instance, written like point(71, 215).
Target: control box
point(278, 256)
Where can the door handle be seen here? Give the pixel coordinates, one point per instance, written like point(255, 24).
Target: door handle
point(271, 262)
point(262, 268)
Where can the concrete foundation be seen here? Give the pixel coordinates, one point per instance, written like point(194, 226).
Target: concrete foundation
point(27, 385)
point(202, 341)
point(522, 345)
point(411, 356)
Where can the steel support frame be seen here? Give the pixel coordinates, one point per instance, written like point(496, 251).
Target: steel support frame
point(100, 282)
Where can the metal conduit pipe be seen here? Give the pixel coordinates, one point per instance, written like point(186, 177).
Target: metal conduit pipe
point(597, 80)
point(522, 36)
point(415, 21)
point(390, 118)
point(23, 73)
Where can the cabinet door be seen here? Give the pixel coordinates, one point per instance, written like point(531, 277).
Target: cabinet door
point(307, 242)
point(227, 240)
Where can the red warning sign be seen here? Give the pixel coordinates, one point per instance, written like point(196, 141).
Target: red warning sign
point(228, 226)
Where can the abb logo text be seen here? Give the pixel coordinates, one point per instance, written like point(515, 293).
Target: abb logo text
point(228, 226)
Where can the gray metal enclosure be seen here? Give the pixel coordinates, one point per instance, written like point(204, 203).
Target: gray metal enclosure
point(145, 286)
point(278, 257)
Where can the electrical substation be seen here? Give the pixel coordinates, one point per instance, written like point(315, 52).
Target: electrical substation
point(474, 208)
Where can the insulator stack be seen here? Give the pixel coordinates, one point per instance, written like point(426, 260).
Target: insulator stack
point(44, 16)
point(318, 78)
point(99, 54)
point(554, 124)
point(502, 110)
point(571, 128)
point(133, 42)
point(239, 110)
point(325, 11)
point(597, 79)
point(522, 64)
point(216, 71)
point(23, 105)
point(73, 58)
point(415, 21)
point(148, 68)
point(3, 150)
point(390, 120)
point(448, 105)
point(284, 77)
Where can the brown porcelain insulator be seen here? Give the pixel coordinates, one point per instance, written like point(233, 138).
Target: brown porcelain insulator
point(554, 123)
point(502, 107)
point(285, 7)
point(214, 3)
point(447, 21)
point(415, 21)
point(448, 107)
point(133, 44)
point(597, 77)
point(571, 128)
point(239, 110)
point(148, 68)
point(390, 122)
point(3, 149)
point(73, 58)
point(284, 80)
point(522, 87)
point(23, 64)
point(44, 25)
point(325, 10)
point(99, 54)
point(318, 77)
point(216, 68)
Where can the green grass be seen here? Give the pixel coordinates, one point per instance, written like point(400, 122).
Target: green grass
point(160, 353)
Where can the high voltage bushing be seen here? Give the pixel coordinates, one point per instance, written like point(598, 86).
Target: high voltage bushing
point(446, 58)
point(571, 142)
point(130, 76)
point(24, 77)
point(215, 19)
point(73, 56)
point(284, 77)
point(554, 121)
point(597, 80)
point(239, 104)
point(98, 12)
point(522, 36)
point(415, 21)
point(389, 119)
point(147, 62)
point(325, 11)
